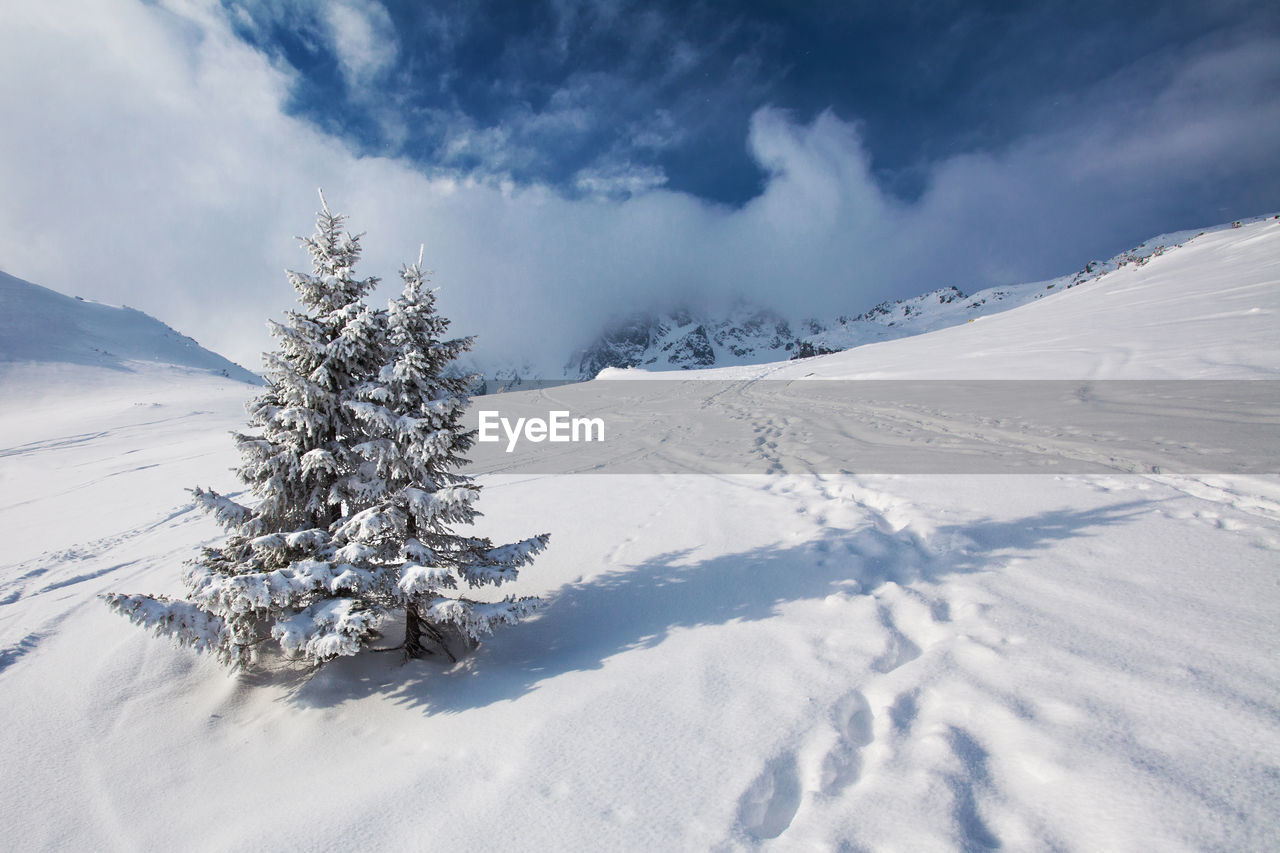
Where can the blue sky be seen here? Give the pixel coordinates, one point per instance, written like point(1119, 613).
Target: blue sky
point(567, 161)
point(574, 94)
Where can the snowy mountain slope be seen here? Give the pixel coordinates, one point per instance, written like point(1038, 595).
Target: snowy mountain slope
point(790, 661)
point(749, 335)
point(38, 325)
point(1209, 310)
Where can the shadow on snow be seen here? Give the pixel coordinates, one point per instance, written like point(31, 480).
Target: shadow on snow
point(584, 624)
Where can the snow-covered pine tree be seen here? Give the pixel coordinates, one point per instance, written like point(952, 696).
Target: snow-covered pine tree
point(414, 411)
point(358, 435)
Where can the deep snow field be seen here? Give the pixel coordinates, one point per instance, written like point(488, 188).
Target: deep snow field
point(783, 661)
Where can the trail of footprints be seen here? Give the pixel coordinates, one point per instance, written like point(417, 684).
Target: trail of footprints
point(767, 435)
point(769, 805)
point(771, 802)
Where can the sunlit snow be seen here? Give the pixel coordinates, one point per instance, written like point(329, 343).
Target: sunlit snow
point(791, 660)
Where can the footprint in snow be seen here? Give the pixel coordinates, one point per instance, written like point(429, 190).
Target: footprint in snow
point(843, 764)
point(768, 806)
point(903, 711)
point(899, 651)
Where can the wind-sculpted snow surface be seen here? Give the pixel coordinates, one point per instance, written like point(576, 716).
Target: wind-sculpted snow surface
point(787, 660)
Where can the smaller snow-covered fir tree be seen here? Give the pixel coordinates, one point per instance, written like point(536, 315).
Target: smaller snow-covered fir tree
point(354, 462)
point(415, 411)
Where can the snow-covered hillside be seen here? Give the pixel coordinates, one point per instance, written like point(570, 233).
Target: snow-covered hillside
point(747, 335)
point(1207, 310)
point(791, 661)
point(42, 326)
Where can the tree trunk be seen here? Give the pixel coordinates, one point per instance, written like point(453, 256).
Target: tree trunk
point(413, 647)
point(414, 629)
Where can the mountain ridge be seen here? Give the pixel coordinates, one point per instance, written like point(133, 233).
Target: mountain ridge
point(746, 334)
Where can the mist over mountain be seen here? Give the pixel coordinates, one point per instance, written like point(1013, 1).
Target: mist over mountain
point(747, 332)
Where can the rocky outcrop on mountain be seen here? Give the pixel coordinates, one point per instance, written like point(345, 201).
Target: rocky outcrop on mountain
point(684, 339)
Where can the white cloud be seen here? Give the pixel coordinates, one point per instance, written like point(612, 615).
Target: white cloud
point(146, 158)
point(613, 179)
point(364, 39)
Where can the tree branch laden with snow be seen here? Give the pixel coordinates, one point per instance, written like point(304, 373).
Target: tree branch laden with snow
point(352, 459)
